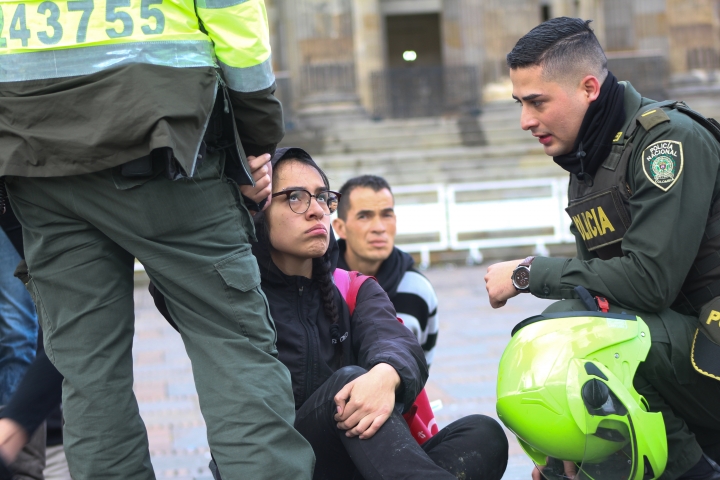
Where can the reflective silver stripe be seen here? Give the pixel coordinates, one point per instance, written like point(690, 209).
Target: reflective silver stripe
point(250, 79)
point(70, 62)
point(218, 3)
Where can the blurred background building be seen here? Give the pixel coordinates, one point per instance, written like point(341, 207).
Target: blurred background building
point(417, 90)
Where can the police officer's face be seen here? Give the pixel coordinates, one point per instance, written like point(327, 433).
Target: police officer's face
point(370, 225)
point(552, 111)
point(293, 236)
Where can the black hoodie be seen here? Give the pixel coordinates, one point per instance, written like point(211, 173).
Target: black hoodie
point(304, 342)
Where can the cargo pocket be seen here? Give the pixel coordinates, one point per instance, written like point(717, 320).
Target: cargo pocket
point(241, 277)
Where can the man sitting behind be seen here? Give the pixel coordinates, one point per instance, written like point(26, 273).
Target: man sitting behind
point(366, 225)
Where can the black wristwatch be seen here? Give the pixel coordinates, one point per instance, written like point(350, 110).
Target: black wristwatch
point(521, 275)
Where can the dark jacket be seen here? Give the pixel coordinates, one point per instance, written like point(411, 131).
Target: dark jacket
point(410, 292)
point(304, 341)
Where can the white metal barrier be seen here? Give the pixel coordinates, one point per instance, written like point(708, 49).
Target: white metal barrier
point(475, 216)
point(507, 214)
point(422, 226)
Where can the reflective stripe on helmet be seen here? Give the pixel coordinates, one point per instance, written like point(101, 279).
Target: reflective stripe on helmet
point(86, 60)
point(239, 30)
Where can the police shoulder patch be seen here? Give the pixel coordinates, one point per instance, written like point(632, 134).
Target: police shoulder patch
point(662, 163)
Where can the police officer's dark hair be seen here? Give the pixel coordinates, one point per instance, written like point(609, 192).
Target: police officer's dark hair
point(367, 181)
point(322, 266)
point(560, 46)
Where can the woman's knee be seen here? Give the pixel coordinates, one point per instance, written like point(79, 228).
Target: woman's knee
point(484, 429)
point(347, 374)
point(336, 382)
point(474, 446)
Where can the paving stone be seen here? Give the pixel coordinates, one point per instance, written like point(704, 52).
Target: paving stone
point(190, 439)
point(182, 389)
point(150, 391)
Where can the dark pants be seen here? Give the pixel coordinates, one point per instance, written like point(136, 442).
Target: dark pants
point(687, 400)
point(474, 447)
point(81, 236)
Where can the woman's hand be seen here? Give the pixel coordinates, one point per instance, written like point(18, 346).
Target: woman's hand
point(365, 404)
point(261, 171)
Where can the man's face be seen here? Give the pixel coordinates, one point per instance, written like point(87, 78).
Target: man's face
point(370, 226)
point(551, 111)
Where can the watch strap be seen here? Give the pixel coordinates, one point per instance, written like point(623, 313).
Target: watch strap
point(527, 262)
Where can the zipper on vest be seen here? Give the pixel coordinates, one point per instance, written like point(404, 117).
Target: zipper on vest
point(627, 187)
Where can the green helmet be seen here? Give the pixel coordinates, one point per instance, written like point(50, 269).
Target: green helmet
point(565, 389)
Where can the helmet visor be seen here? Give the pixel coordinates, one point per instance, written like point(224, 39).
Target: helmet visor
point(610, 449)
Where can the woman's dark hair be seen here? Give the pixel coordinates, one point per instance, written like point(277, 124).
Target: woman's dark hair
point(322, 266)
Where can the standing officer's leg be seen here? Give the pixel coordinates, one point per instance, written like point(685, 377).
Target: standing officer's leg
point(197, 253)
point(192, 236)
point(82, 284)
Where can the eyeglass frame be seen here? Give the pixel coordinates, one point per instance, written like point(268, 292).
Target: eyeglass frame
point(288, 192)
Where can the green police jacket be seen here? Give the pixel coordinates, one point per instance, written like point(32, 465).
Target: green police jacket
point(84, 89)
point(668, 221)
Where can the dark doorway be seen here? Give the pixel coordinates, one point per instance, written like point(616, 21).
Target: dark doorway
point(413, 33)
point(414, 79)
point(545, 13)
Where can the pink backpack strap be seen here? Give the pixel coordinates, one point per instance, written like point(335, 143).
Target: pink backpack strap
point(342, 281)
point(349, 284)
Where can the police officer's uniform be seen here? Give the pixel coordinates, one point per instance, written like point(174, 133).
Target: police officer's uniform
point(113, 146)
point(639, 227)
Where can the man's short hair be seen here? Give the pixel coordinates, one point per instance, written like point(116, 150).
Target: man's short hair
point(366, 181)
point(561, 46)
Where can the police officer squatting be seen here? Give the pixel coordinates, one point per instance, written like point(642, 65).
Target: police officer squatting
point(619, 378)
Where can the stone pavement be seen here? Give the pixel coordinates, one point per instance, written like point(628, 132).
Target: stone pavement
point(472, 338)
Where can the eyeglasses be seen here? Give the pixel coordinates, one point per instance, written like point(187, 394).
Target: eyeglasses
point(299, 200)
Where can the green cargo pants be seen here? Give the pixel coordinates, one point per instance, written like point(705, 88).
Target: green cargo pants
point(81, 235)
point(687, 400)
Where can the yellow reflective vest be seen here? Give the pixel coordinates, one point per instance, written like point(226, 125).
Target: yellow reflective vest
point(62, 38)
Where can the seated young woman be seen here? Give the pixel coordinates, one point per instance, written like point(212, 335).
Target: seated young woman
point(352, 377)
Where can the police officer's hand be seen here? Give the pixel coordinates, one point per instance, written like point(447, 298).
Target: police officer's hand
point(261, 171)
point(570, 471)
point(364, 404)
point(499, 284)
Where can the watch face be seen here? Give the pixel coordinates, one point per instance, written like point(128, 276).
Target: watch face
point(521, 278)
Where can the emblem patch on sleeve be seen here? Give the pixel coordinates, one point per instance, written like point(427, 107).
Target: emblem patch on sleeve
point(663, 163)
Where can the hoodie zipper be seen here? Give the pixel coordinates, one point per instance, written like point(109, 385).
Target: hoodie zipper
point(309, 344)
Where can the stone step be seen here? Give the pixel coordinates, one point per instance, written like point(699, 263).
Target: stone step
point(430, 139)
point(363, 129)
point(497, 125)
point(459, 165)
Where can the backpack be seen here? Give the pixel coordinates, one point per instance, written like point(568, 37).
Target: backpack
point(420, 418)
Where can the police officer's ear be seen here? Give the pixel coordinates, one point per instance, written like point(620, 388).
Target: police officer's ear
point(590, 88)
point(339, 227)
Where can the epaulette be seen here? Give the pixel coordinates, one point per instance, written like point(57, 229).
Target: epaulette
point(652, 118)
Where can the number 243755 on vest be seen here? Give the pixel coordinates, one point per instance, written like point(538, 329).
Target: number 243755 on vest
point(28, 26)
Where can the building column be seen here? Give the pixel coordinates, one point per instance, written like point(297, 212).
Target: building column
point(368, 43)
